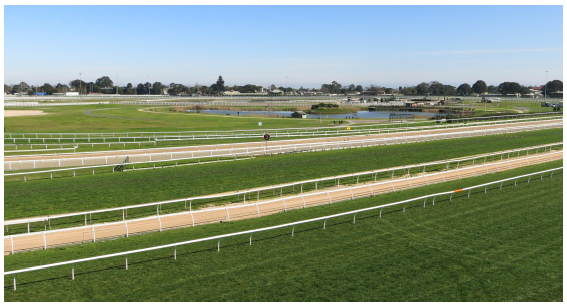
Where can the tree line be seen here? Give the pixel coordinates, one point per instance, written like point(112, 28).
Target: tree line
point(105, 85)
point(479, 87)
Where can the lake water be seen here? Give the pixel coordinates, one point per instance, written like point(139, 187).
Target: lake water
point(358, 115)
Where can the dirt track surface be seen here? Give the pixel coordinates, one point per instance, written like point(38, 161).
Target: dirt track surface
point(12, 113)
point(259, 148)
point(48, 239)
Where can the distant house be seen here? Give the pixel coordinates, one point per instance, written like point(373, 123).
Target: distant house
point(299, 115)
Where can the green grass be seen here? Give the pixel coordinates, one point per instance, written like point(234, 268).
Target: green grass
point(48, 197)
point(127, 118)
point(512, 107)
point(505, 245)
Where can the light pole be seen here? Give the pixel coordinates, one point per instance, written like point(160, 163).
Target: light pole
point(545, 90)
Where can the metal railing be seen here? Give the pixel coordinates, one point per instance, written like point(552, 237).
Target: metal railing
point(287, 225)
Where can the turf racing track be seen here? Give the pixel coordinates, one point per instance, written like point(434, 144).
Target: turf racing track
point(258, 148)
point(47, 239)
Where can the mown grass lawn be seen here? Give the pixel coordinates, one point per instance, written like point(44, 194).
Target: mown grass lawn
point(82, 193)
point(127, 118)
point(505, 245)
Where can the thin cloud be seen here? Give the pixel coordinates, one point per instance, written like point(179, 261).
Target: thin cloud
point(484, 51)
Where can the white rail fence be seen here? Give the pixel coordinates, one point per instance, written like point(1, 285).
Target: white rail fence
point(257, 148)
point(93, 168)
point(191, 218)
point(291, 225)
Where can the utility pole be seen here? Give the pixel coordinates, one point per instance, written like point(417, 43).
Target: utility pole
point(545, 92)
point(80, 85)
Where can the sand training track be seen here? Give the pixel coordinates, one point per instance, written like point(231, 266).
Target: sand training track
point(47, 239)
point(11, 113)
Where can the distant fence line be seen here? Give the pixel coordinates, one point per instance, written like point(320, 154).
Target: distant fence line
point(287, 225)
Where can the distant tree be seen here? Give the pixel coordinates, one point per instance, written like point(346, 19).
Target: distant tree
point(104, 82)
point(435, 87)
point(215, 88)
point(92, 87)
point(422, 88)
point(351, 88)
point(220, 84)
point(48, 89)
point(61, 88)
point(553, 86)
point(492, 89)
point(449, 90)
point(479, 87)
point(464, 89)
point(336, 87)
point(248, 88)
point(79, 85)
point(374, 89)
point(408, 91)
point(7, 89)
point(158, 88)
point(130, 90)
point(273, 87)
point(388, 90)
point(359, 88)
point(175, 89)
point(141, 89)
point(509, 88)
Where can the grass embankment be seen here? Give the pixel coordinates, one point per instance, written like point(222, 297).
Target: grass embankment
point(83, 193)
point(505, 245)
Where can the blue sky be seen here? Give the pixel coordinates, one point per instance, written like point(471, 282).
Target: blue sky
point(310, 45)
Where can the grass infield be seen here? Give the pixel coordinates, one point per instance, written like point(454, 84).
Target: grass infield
point(505, 245)
point(126, 118)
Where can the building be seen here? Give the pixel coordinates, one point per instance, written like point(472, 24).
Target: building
point(299, 115)
point(231, 92)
